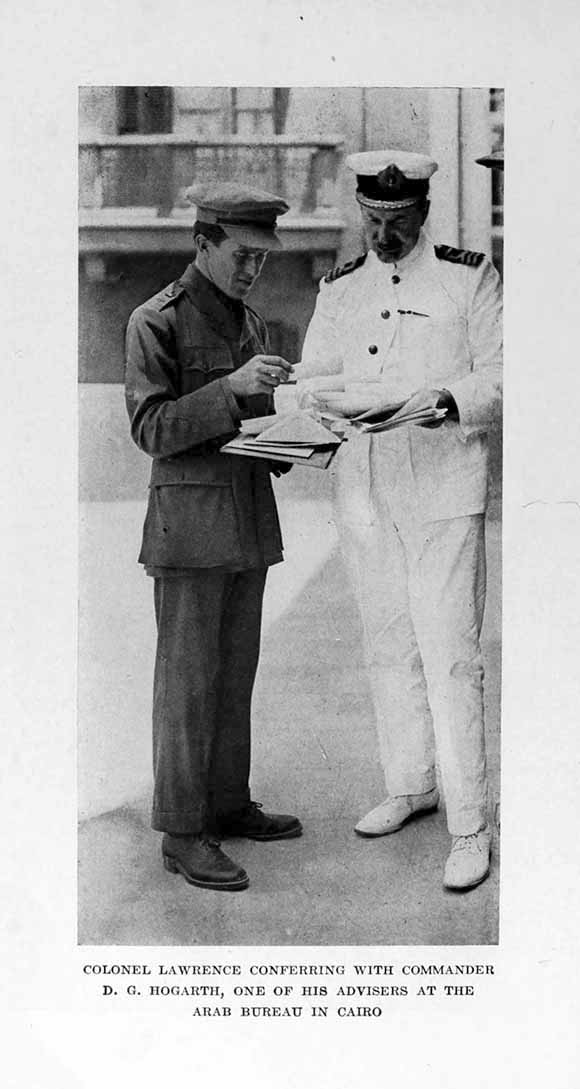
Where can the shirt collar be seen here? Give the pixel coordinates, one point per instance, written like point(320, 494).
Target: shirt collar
point(227, 315)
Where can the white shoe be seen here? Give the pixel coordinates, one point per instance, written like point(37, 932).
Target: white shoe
point(393, 813)
point(468, 862)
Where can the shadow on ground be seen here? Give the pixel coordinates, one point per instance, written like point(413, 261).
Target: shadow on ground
point(315, 754)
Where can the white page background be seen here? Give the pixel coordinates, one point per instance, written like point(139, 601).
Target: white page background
point(521, 1030)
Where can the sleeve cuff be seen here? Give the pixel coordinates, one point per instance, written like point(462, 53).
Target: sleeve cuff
point(466, 427)
point(447, 400)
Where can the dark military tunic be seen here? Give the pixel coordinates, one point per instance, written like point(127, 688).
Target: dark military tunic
point(205, 509)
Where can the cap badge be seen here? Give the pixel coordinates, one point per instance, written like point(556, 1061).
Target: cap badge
point(391, 177)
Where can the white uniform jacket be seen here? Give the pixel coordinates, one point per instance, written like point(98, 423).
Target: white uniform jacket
point(424, 322)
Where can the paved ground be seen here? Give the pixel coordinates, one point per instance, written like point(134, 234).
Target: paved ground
point(315, 754)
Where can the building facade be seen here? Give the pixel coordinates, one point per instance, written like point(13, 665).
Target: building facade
point(139, 149)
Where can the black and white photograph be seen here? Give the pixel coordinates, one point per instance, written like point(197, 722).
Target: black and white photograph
point(290, 367)
point(290, 596)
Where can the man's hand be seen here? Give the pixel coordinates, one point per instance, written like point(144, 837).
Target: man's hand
point(432, 398)
point(280, 468)
point(260, 375)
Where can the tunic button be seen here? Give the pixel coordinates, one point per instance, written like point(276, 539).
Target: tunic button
point(385, 313)
point(396, 279)
point(373, 349)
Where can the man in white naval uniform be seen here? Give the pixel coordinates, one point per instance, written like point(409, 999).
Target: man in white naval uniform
point(422, 323)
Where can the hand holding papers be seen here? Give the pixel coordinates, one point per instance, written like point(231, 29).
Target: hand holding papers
point(388, 417)
point(295, 438)
point(368, 409)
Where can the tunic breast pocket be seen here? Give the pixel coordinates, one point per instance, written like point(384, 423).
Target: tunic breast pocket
point(438, 347)
point(203, 364)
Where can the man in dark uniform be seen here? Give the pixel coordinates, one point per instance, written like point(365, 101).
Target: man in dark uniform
point(197, 363)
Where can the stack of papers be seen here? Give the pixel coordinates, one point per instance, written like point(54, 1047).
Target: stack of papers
point(387, 417)
point(365, 407)
point(295, 437)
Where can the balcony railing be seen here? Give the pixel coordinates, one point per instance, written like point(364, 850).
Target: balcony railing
point(132, 187)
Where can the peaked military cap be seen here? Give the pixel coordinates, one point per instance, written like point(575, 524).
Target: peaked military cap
point(391, 178)
point(244, 213)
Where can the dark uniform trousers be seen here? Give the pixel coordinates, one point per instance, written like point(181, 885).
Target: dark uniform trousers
point(207, 655)
point(210, 533)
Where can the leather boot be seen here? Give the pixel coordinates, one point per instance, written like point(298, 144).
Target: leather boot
point(201, 862)
point(251, 823)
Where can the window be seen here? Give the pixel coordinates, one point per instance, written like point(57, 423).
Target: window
point(236, 111)
point(259, 110)
point(144, 110)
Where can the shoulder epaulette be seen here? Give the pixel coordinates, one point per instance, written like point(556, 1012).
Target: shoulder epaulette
point(343, 270)
point(169, 295)
point(459, 257)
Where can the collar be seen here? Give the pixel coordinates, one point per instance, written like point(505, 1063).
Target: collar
point(228, 316)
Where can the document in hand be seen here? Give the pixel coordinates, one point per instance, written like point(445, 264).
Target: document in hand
point(387, 417)
point(367, 409)
point(295, 437)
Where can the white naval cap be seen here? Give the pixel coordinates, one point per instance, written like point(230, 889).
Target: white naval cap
point(391, 178)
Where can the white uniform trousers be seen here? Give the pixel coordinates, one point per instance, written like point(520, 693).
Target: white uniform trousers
point(421, 592)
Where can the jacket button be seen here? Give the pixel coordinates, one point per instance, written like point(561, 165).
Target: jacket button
point(385, 313)
point(373, 349)
point(396, 279)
